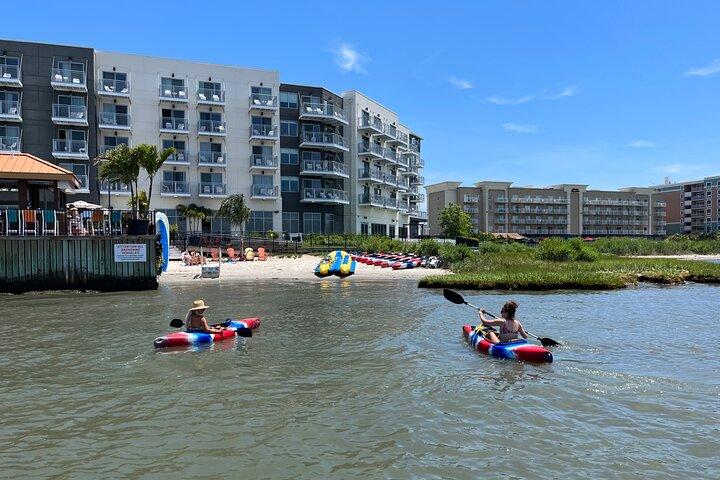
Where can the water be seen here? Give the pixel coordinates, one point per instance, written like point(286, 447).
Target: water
point(347, 380)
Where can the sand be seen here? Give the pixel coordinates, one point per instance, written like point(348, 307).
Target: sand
point(292, 269)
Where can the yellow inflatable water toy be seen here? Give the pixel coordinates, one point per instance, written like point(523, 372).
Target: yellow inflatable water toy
point(249, 254)
point(338, 262)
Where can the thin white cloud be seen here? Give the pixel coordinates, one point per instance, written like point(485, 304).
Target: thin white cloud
point(709, 71)
point(349, 59)
point(517, 128)
point(679, 168)
point(641, 144)
point(460, 84)
point(566, 92)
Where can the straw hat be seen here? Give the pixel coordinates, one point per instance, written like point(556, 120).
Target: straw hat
point(199, 305)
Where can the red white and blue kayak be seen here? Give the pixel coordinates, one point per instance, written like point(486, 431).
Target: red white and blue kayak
point(194, 338)
point(519, 349)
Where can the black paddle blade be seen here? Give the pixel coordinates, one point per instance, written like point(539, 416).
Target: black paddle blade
point(244, 332)
point(548, 342)
point(454, 297)
point(176, 323)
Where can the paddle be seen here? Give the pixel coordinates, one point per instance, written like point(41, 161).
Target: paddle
point(241, 332)
point(455, 297)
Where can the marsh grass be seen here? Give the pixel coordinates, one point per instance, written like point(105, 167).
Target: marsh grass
point(524, 271)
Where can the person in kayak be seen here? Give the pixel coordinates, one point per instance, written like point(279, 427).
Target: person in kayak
point(509, 327)
point(196, 322)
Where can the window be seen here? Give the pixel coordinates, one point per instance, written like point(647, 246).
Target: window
point(378, 229)
point(289, 156)
point(7, 132)
point(80, 172)
point(288, 100)
point(172, 87)
point(260, 222)
point(114, 82)
point(291, 222)
point(329, 223)
point(173, 176)
point(111, 142)
point(364, 229)
point(289, 184)
point(10, 66)
point(312, 223)
point(288, 128)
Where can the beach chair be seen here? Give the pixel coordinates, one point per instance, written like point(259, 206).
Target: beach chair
point(98, 222)
point(232, 255)
point(12, 222)
point(49, 223)
point(261, 254)
point(30, 223)
point(215, 254)
point(116, 222)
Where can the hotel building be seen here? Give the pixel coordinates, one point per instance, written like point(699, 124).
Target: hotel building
point(306, 159)
point(693, 206)
point(568, 209)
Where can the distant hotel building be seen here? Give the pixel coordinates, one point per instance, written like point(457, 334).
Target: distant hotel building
point(693, 206)
point(307, 160)
point(568, 209)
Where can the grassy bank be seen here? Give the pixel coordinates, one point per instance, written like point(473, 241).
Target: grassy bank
point(525, 271)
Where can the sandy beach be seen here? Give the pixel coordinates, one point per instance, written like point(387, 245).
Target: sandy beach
point(292, 269)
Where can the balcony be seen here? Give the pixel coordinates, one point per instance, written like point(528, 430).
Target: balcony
point(389, 132)
point(417, 180)
point(368, 175)
point(264, 192)
point(212, 189)
point(471, 209)
point(263, 162)
point(263, 132)
point(174, 125)
point(370, 151)
point(400, 139)
point(415, 212)
point(328, 196)
point(9, 144)
point(471, 199)
point(114, 88)
point(69, 115)
point(180, 157)
point(70, 149)
point(212, 128)
point(325, 168)
point(69, 79)
point(210, 96)
point(10, 75)
point(376, 200)
point(173, 93)
point(114, 188)
point(326, 141)
point(211, 159)
point(372, 125)
point(174, 189)
point(10, 110)
point(259, 101)
point(114, 121)
point(323, 112)
point(390, 155)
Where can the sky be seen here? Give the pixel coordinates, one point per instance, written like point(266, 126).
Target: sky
point(608, 94)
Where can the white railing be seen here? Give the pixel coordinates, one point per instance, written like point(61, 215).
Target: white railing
point(173, 92)
point(9, 143)
point(262, 100)
point(263, 161)
point(260, 130)
point(174, 187)
point(325, 138)
point(114, 119)
point(211, 95)
point(172, 123)
point(211, 158)
point(68, 76)
point(70, 112)
point(110, 87)
point(268, 191)
point(211, 126)
point(325, 110)
point(9, 107)
point(324, 194)
point(70, 146)
point(211, 188)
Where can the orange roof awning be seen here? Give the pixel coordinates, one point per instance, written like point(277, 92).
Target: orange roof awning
point(23, 166)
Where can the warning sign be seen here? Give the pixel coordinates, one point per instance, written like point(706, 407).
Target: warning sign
point(130, 252)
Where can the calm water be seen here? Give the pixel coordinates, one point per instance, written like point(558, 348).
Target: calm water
point(359, 381)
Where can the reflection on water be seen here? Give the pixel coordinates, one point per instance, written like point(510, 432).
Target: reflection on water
point(347, 380)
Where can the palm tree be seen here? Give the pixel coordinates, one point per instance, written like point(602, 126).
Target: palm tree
point(151, 161)
point(120, 165)
point(193, 213)
point(236, 211)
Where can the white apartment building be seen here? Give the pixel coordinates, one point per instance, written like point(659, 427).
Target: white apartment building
point(222, 121)
point(386, 163)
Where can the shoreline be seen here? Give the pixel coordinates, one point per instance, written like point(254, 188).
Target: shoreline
point(289, 268)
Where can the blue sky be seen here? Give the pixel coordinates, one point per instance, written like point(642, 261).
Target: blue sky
point(610, 94)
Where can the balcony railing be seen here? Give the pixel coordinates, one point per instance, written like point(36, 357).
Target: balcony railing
point(177, 93)
point(211, 95)
point(324, 195)
point(212, 158)
point(117, 188)
point(174, 124)
point(264, 191)
point(114, 120)
point(10, 75)
point(262, 101)
point(174, 188)
point(10, 110)
point(211, 188)
point(372, 123)
point(376, 200)
point(324, 139)
point(68, 79)
point(211, 127)
point(324, 167)
point(9, 144)
point(72, 148)
point(114, 87)
point(368, 174)
point(72, 114)
point(559, 200)
point(263, 131)
point(261, 161)
point(323, 111)
point(373, 150)
point(180, 157)
point(471, 199)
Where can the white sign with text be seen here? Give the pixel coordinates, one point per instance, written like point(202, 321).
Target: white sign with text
point(130, 252)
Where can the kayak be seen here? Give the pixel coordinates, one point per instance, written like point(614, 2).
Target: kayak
point(193, 338)
point(519, 349)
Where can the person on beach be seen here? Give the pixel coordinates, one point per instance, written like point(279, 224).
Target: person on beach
point(509, 327)
point(187, 258)
point(195, 320)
